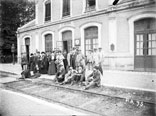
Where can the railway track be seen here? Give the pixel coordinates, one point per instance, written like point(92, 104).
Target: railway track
point(96, 103)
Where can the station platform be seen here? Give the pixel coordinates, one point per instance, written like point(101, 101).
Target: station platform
point(145, 81)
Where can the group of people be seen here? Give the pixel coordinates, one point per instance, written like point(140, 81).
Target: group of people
point(67, 67)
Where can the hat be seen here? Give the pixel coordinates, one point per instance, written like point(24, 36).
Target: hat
point(70, 67)
point(42, 52)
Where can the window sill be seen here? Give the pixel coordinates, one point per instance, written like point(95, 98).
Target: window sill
point(47, 21)
point(90, 10)
point(63, 17)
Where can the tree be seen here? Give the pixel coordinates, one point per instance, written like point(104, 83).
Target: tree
point(15, 13)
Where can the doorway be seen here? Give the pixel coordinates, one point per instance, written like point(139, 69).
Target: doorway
point(67, 40)
point(27, 45)
point(145, 45)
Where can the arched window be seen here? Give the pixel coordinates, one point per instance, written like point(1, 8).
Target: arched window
point(48, 42)
point(91, 38)
point(48, 10)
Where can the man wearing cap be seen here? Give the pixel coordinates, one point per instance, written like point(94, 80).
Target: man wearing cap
point(100, 59)
point(94, 79)
point(90, 59)
point(95, 58)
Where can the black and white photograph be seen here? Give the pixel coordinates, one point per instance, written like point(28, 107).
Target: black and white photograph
point(77, 57)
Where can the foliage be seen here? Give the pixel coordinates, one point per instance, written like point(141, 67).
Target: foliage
point(15, 13)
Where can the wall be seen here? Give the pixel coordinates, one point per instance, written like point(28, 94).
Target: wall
point(122, 57)
point(56, 7)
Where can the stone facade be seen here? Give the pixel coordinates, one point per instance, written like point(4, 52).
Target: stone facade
point(115, 26)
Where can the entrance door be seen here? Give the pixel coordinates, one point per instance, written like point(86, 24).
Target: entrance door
point(145, 45)
point(91, 38)
point(27, 45)
point(67, 40)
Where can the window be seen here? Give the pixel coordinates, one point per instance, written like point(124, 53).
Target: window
point(66, 8)
point(151, 44)
point(48, 42)
point(48, 10)
point(90, 5)
point(91, 38)
point(139, 45)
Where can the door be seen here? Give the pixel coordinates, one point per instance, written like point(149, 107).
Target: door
point(67, 40)
point(91, 38)
point(145, 45)
point(27, 46)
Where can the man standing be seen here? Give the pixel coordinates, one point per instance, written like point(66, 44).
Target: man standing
point(72, 58)
point(24, 61)
point(80, 59)
point(90, 59)
point(95, 58)
point(100, 59)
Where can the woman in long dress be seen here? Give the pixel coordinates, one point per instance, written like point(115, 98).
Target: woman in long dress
point(52, 68)
point(43, 63)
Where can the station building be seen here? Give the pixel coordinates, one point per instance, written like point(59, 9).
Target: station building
point(125, 31)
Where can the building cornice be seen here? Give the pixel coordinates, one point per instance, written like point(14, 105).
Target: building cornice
point(120, 7)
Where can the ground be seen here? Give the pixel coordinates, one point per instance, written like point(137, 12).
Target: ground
point(115, 101)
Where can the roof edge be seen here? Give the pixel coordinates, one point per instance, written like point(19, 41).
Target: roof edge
point(29, 24)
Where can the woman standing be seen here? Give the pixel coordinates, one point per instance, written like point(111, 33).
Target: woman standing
point(59, 58)
point(52, 69)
